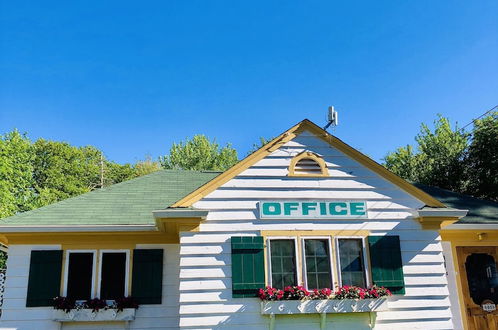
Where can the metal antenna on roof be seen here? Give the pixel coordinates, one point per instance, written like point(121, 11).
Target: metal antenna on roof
point(333, 118)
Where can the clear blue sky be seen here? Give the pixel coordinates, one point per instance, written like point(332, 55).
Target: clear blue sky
point(132, 77)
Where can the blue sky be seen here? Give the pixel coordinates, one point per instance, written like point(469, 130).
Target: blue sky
point(132, 77)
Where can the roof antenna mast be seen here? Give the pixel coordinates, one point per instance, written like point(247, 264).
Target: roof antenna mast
point(333, 118)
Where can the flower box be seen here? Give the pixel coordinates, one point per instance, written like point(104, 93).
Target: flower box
point(323, 306)
point(87, 315)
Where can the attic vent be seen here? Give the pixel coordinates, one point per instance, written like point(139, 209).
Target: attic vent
point(308, 164)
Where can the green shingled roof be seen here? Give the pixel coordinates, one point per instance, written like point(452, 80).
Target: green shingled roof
point(126, 203)
point(480, 211)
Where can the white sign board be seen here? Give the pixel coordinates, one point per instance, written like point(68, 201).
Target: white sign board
point(306, 209)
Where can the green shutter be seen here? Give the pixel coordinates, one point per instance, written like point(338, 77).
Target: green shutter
point(44, 281)
point(386, 264)
point(147, 276)
point(248, 266)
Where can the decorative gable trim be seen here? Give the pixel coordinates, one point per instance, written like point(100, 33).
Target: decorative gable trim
point(290, 134)
point(308, 164)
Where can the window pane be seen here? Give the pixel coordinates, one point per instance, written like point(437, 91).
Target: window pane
point(283, 262)
point(317, 257)
point(80, 274)
point(112, 283)
point(351, 259)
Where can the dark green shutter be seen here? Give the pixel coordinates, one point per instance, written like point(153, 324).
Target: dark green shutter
point(386, 264)
point(45, 268)
point(248, 266)
point(147, 276)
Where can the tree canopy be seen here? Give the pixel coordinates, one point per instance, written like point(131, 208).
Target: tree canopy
point(40, 173)
point(199, 153)
point(451, 158)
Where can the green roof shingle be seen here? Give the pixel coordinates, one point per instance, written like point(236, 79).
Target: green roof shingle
point(126, 203)
point(480, 210)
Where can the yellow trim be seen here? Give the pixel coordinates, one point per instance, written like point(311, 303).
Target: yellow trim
point(173, 226)
point(288, 135)
point(312, 156)
point(467, 238)
point(436, 222)
point(299, 234)
point(93, 240)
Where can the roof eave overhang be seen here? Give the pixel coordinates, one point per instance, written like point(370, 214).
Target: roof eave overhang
point(76, 228)
point(438, 218)
point(180, 213)
point(176, 220)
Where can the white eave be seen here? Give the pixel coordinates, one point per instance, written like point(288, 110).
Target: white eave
point(76, 228)
point(472, 226)
point(180, 213)
point(440, 212)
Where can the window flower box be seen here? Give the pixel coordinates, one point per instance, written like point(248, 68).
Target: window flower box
point(323, 306)
point(88, 315)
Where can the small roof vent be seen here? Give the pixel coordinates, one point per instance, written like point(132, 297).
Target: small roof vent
point(308, 164)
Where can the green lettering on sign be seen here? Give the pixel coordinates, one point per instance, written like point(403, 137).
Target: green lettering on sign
point(272, 209)
point(289, 207)
point(307, 207)
point(357, 208)
point(338, 208)
point(321, 209)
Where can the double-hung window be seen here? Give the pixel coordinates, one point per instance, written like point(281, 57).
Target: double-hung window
point(113, 274)
point(318, 271)
point(80, 270)
point(82, 276)
point(351, 259)
point(320, 265)
point(315, 262)
point(283, 262)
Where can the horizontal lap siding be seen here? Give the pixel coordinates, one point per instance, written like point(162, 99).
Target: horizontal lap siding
point(165, 315)
point(17, 316)
point(205, 260)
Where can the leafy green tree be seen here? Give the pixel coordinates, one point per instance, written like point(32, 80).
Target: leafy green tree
point(438, 160)
point(256, 146)
point(147, 166)
point(199, 153)
point(404, 162)
point(62, 170)
point(16, 174)
point(482, 159)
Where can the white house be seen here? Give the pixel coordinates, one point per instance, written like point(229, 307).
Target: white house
point(193, 248)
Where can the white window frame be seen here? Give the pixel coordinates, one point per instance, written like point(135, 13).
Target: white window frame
point(296, 256)
point(127, 268)
point(365, 259)
point(66, 270)
point(303, 253)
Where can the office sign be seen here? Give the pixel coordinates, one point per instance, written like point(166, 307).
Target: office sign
point(305, 209)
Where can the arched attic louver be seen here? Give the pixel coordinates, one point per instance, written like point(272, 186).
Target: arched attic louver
point(308, 164)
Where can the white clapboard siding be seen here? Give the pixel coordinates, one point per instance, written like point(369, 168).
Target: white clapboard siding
point(205, 260)
point(16, 315)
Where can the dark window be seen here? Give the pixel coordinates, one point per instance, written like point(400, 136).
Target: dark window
point(351, 260)
point(317, 257)
point(283, 263)
point(80, 274)
point(482, 277)
point(112, 280)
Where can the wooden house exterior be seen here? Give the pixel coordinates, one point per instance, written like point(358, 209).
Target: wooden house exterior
point(194, 247)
